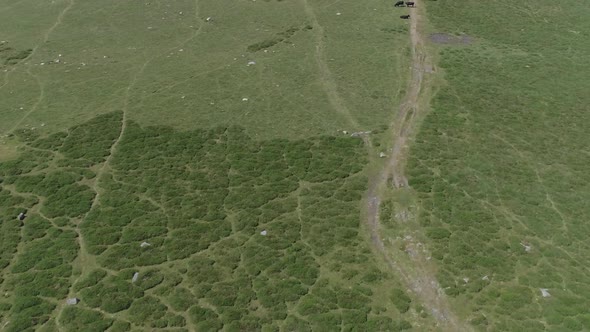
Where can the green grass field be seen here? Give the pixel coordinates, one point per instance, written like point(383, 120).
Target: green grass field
point(166, 64)
point(500, 165)
point(182, 165)
point(188, 166)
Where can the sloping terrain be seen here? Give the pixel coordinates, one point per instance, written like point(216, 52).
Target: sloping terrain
point(197, 230)
point(500, 165)
point(189, 165)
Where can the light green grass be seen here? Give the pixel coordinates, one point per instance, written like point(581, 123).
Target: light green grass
point(166, 64)
point(501, 163)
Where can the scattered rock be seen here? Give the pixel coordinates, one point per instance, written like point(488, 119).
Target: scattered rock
point(359, 133)
point(382, 155)
point(144, 244)
point(244, 99)
point(263, 233)
point(466, 280)
point(338, 14)
point(21, 216)
point(527, 247)
point(72, 301)
point(135, 277)
point(485, 278)
point(209, 19)
point(544, 292)
point(251, 63)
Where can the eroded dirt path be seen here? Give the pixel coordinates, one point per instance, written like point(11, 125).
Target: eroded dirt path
point(419, 274)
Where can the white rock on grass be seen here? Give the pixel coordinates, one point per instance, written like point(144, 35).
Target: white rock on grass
point(135, 277)
point(72, 301)
point(545, 292)
point(263, 233)
point(144, 244)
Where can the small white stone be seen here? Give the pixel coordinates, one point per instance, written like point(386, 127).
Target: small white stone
point(244, 99)
point(263, 233)
point(135, 277)
point(544, 292)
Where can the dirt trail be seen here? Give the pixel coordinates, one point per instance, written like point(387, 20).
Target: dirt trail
point(418, 277)
point(48, 33)
point(326, 77)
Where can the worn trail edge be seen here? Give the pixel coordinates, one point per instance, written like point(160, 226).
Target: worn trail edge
point(419, 277)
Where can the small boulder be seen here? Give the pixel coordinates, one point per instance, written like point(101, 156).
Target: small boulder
point(72, 301)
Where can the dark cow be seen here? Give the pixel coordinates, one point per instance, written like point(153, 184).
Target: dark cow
point(405, 17)
point(399, 4)
point(410, 4)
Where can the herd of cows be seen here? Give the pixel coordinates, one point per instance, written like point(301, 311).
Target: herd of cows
point(405, 4)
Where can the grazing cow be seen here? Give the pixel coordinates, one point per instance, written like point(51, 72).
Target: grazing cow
point(410, 4)
point(399, 4)
point(405, 17)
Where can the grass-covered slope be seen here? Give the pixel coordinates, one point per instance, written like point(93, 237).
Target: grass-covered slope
point(223, 232)
point(303, 69)
point(501, 164)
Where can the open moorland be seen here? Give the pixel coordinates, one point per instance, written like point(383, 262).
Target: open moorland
point(500, 164)
point(188, 166)
point(294, 165)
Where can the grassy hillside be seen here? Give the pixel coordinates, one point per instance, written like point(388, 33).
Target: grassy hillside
point(500, 164)
point(182, 165)
point(319, 66)
point(198, 230)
